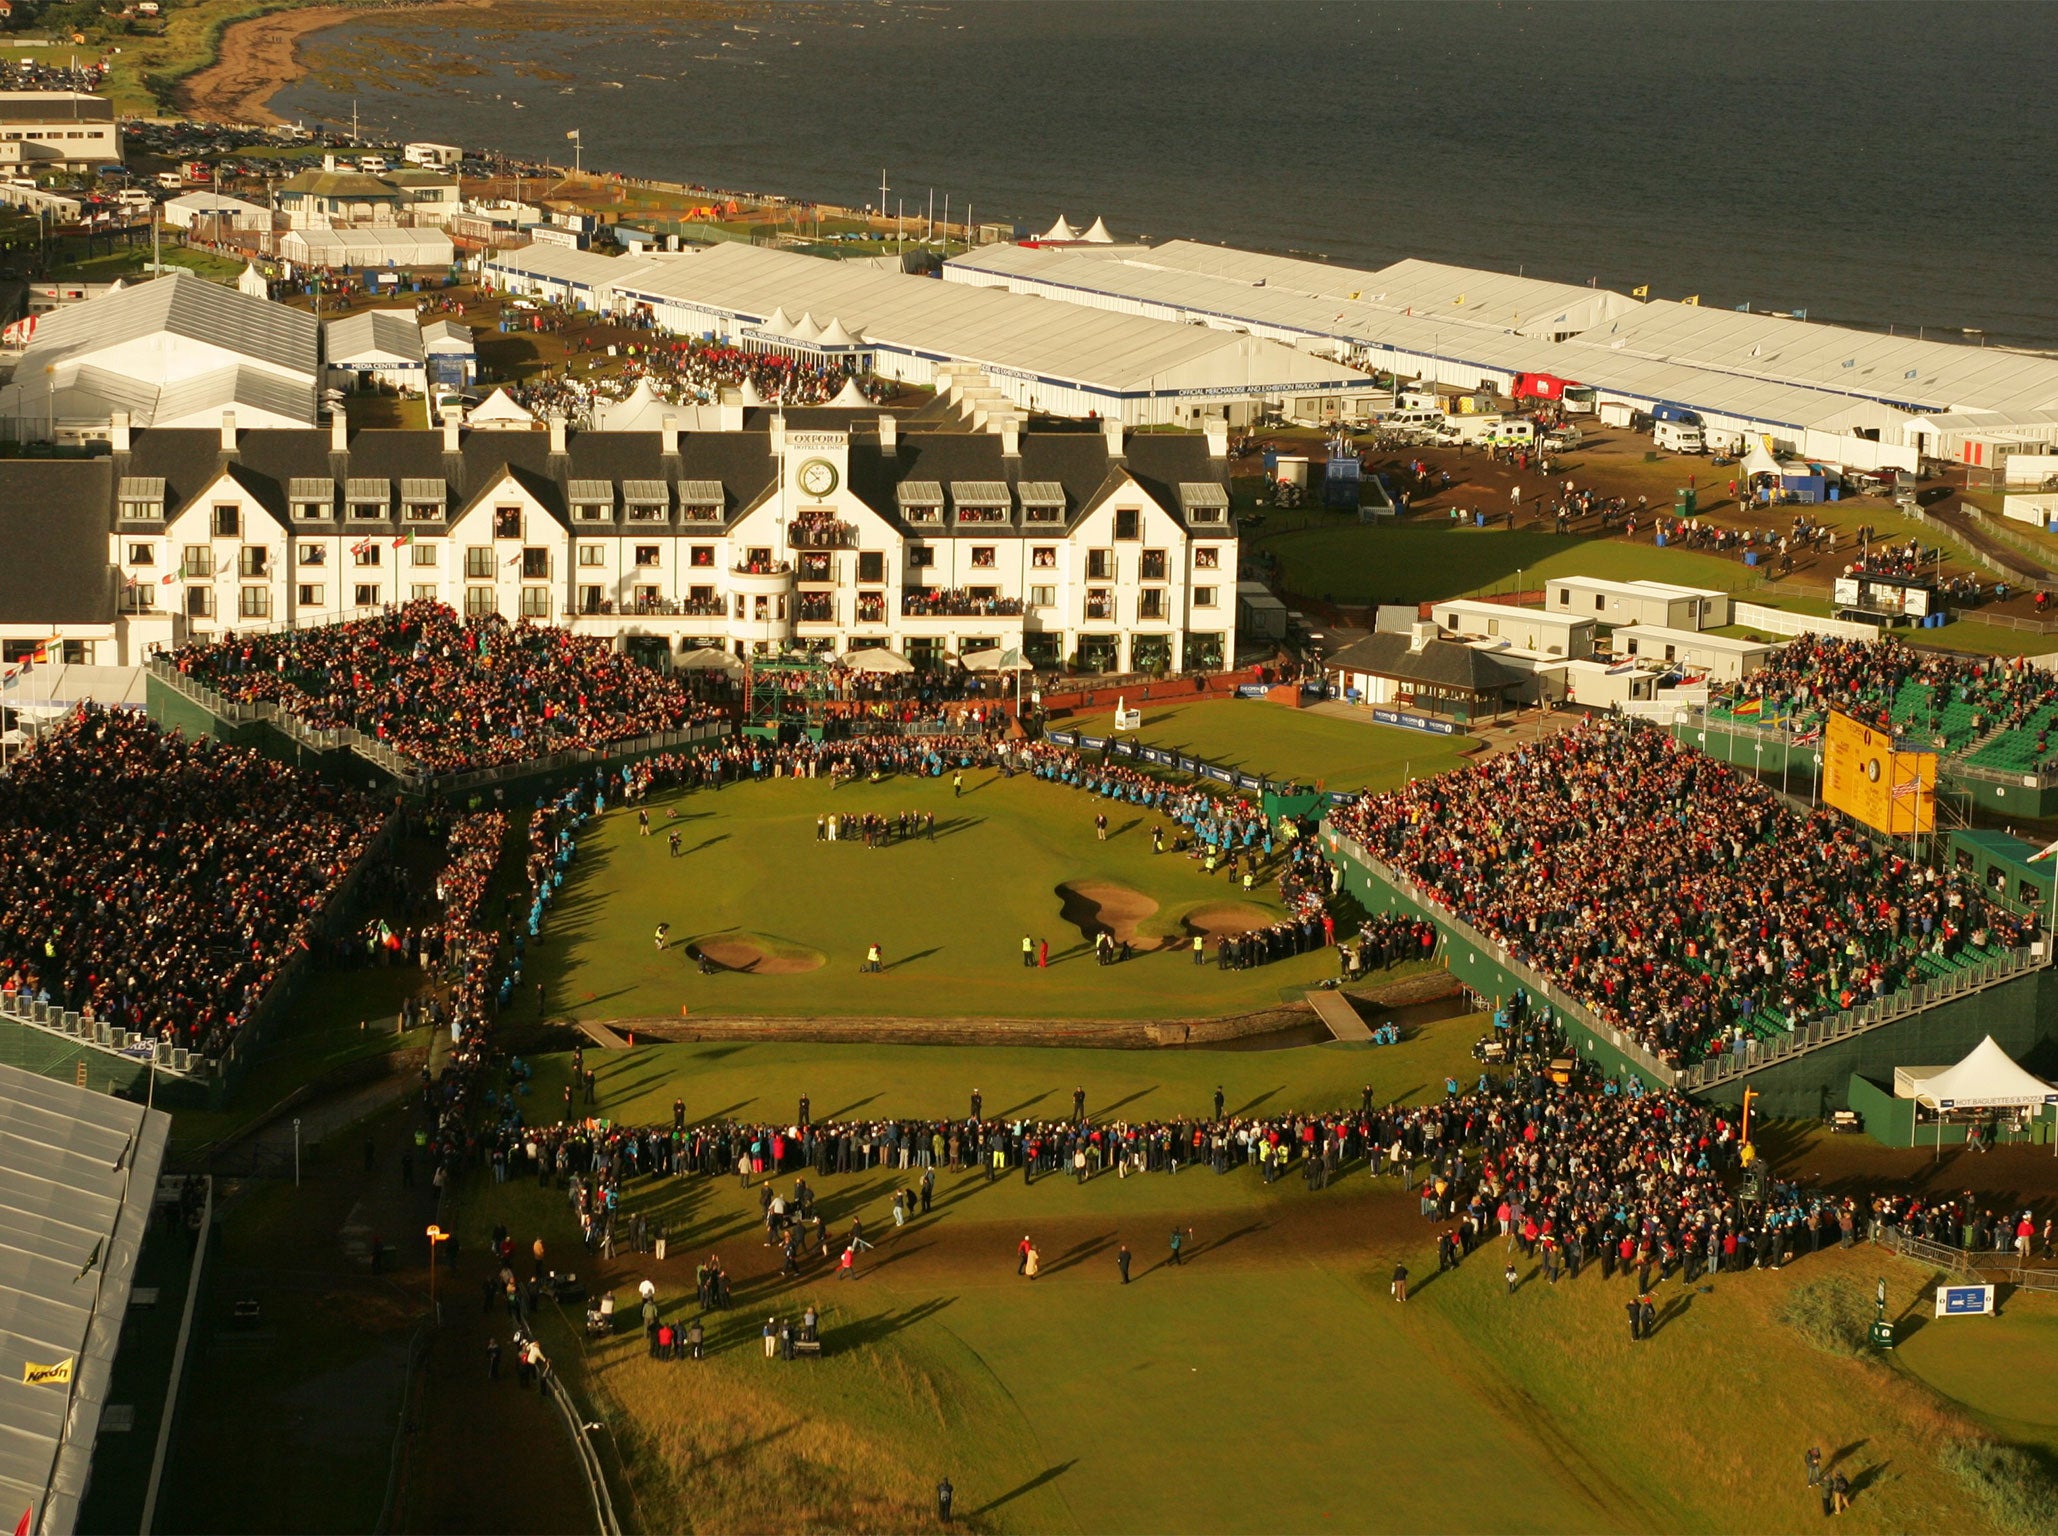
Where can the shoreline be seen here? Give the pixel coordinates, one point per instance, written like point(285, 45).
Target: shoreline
point(258, 57)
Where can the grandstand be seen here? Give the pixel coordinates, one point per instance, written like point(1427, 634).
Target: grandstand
point(1989, 718)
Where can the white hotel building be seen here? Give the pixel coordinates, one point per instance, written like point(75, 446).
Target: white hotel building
point(826, 529)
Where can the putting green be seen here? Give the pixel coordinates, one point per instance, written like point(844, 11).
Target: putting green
point(1261, 737)
point(785, 917)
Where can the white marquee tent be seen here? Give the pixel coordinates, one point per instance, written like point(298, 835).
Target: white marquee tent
point(1988, 1078)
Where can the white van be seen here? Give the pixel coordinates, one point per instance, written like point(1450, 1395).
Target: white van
point(1513, 432)
point(1677, 437)
point(1412, 421)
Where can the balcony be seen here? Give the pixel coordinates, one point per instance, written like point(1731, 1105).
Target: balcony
point(955, 604)
point(1100, 608)
point(826, 533)
point(761, 578)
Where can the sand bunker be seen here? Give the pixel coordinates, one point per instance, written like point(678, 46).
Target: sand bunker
point(1095, 907)
point(1220, 917)
point(745, 955)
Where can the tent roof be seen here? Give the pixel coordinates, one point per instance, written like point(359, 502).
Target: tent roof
point(1986, 1079)
point(1759, 462)
point(1062, 230)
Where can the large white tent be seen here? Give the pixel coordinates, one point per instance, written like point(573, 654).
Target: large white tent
point(1987, 1078)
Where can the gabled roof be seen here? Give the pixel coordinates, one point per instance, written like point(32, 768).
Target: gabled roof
point(78, 1178)
point(390, 331)
point(1445, 663)
point(62, 510)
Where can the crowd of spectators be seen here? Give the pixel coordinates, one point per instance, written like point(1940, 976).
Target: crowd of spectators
point(957, 602)
point(1675, 895)
point(159, 883)
point(1803, 680)
point(687, 372)
point(446, 693)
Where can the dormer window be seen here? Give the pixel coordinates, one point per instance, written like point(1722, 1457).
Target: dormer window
point(369, 501)
point(921, 501)
point(593, 501)
point(1204, 502)
point(701, 501)
point(646, 501)
point(142, 498)
point(1043, 501)
point(422, 501)
point(313, 501)
point(981, 501)
point(507, 522)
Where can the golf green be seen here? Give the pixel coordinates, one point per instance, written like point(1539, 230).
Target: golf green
point(786, 917)
point(1261, 737)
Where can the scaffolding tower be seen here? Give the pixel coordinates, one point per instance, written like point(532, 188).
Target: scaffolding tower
point(786, 696)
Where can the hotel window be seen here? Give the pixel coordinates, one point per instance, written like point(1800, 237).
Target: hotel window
point(256, 603)
point(200, 602)
point(314, 554)
point(589, 599)
point(76, 653)
point(139, 599)
point(252, 560)
point(1128, 523)
point(199, 562)
point(1203, 597)
point(1100, 603)
point(758, 559)
point(1100, 565)
point(367, 511)
point(424, 555)
point(871, 608)
point(313, 595)
point(590, 512)
point(871, 566)
point(1043, 597)
point(507, 522)
point(647, 554)
point(367, 554)
point(593, 554)
point(535, 567)
point(1153, 565)
point(1207, 559)
point(478, 562)
point(422, 593)
point(1151, 603)
point(478, 602)
point(228, 522)
point(920, 557)
point(700, 555)
point(535, 602)
point(982, 557)
point(1044, 557)
point(142, 554)
point(366, 595)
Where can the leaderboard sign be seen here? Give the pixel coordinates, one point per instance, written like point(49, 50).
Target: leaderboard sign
point(1866, 777)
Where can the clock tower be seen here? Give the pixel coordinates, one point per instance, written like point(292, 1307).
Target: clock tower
point(814, 466)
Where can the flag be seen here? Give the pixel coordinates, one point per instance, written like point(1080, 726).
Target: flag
point(2049, 849)
point(26, 1523)
point(1744, 308)
point(1459, 301)
point(1641, 292)
point(573, 134)
point(1693, 299)
point(515, 558)
point(92, 1261)
point(169, 579)
point(1750, 707)
point(58, 1375)
point(1800, 314)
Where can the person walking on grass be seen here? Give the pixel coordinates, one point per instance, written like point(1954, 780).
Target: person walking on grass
point(1400, 1282)
point(1179, 1242)
point(1813, 1462)
point(1122, 1262)
point(957, 784)
point(1022, 1252)
point(1028, 951)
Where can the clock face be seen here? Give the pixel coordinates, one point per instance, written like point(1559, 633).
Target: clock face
point(818, 477)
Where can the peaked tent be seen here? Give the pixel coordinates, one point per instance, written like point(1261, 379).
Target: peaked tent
point(1060, 231)
point(849, 397)
point(1760, 462)
point(1099, 234)
point(500, 410)
point(1988, 1078)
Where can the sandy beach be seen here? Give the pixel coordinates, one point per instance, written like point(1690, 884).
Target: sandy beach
point(260, 56)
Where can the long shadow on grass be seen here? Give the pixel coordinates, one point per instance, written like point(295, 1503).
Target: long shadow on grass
point(1079, 1253)
point(1270, 1093)
point(838, 1114)
point(1047, 1475)
point(920, 954)
point(1109, 1109)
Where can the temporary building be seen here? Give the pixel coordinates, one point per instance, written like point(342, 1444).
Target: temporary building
point(1053, 359)
point(1060, 231)
point(1987, 1078)
point(1099, 234)
point(499, 411)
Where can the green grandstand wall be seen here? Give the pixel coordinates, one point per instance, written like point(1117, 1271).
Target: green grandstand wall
point(2021, 1015)
point(2012, 795)
point(1477, 968)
